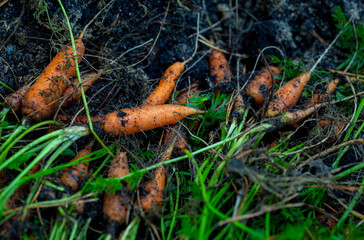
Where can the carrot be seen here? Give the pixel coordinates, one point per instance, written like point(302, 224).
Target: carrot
point(157, 184)
point(39, 102)
point(219, 68)
point(260, 86)
point(290, 117)
point(287, 96)
point(14, 200)
point(329, 88)
point(327, 128)
point(134, 120)
point(73, 176)
point(73, 93)
point(166, 85)
point(180, 144)
point(116, 205)
point(13, 101)
point(189, 93)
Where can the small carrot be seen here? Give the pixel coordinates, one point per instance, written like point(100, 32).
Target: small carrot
point(290, 117)
point(74, 175)
point(73, 93)
point(39, 101)
point(261, 85)
point(180, 144)
point(219, 68)
point(116, 205)
point(157, 184)
point(329, 88)
point(134, 120)
point(166, 85)
point(13, 101)
point(189, 93)
point(327, 128)
point(287, 96)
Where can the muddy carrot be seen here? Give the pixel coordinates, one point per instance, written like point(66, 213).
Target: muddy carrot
point(260, 87)
point(74, 175)
point(156, 186)
point(329, 88)
point(287, 96)
point(291, 117)
point(116, 205)
point(39, 102)
point(219, 68)
point(73, 93)
point(327, 128)
point(13, 101)
point(134, 120)
point(166, 85)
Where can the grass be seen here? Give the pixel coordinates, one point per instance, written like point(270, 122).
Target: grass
point(227, 185)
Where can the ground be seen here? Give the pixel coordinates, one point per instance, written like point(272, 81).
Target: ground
point(134, 42)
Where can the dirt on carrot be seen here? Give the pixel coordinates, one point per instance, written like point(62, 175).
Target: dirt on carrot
point(14, 100)
point(41, 99)
point(219, 68)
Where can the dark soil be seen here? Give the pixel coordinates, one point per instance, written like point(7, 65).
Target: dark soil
point(122, 38)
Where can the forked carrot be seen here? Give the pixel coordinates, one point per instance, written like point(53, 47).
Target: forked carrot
point(13, 101)
point(287, 96)
point(116, 206)
point(166, 85)
point(260, 87)
point(39, 101)
point(134, 120)
point(219, 68)
point(74, 175)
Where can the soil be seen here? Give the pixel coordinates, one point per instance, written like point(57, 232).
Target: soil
point(135, 42)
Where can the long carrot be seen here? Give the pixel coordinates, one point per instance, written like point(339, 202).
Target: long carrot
point(51, 84)
point(166, 85)
point(261, 85)
point(219, 68)
point(116, 205)
point(74, 175)
point(287, 96)
point(13, 101)
point(134, 120)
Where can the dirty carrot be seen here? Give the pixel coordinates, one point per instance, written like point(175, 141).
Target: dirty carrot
point(259, 88)
point(134, 120)
point(291, 117)
point(287, 96)
point(219, 68)
point(39, 102)
point(327, 129)
point(13, 101)
point(166, 85)
point(156, 186)
point(323, 96)
point(116, 205)
point(74, 175)
point(73, 93)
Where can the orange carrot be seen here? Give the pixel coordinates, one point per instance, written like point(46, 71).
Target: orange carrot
point(13, 101)
point(287, 96)
point(219, 67)
point(156, 185)
point(327, 128)
point(180, 144)
point(329, 88)
point(188, 93)
point(290, 117)
point(116, 205)
point(166, 85)
point(74, 175)
point(260, 86)
point(134, 120)
point(73, 93)
point(39, 102)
